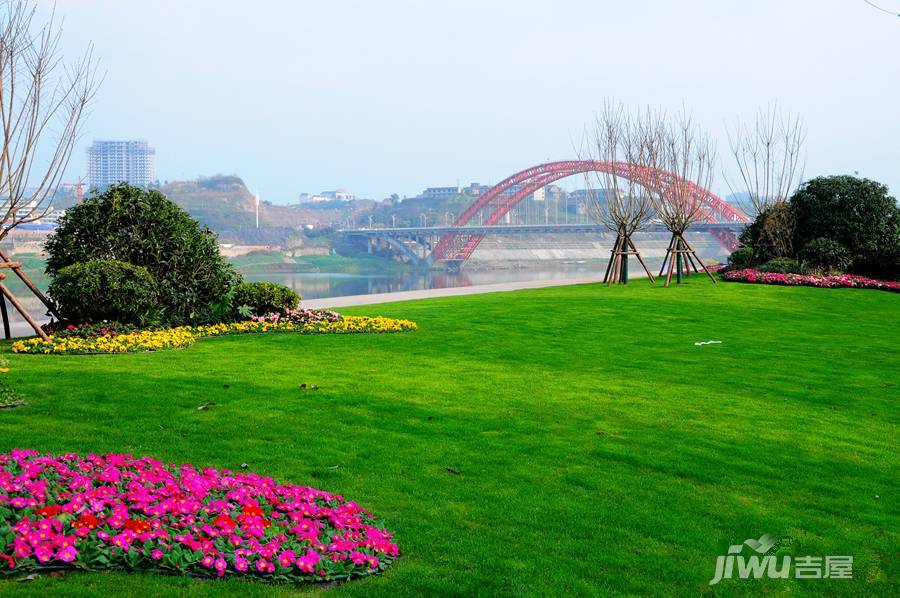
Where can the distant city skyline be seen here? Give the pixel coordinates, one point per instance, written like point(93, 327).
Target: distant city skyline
point(398, 102)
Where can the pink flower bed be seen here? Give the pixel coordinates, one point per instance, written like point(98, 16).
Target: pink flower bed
point(122, 512)
point(301, 316)
point(837, 281)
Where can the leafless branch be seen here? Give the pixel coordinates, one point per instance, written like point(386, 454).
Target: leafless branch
point(618, 202)
point(678, 163)
point(43, 101)
point(769, 158)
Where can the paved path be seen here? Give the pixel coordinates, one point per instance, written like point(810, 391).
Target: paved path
point(329, 302)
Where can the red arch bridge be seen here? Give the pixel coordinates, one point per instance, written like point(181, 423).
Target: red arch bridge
point(454, 244)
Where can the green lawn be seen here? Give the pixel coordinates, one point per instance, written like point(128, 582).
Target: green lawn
point(599, 450)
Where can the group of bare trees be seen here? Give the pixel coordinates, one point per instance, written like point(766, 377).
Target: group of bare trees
point(657, 166)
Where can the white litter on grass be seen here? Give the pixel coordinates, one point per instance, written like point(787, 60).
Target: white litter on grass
point(700, 344)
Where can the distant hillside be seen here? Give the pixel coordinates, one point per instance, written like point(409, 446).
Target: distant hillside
point(224, 204)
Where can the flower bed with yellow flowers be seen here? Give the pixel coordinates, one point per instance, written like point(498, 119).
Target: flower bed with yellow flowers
point(146, 340)
point(346, 325)
point(185, 336)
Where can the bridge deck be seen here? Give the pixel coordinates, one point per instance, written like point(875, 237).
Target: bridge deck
point(500, 229)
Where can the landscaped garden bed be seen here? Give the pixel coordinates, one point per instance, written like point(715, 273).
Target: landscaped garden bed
point(120, 338)
point(119, 512)
point(835, 281)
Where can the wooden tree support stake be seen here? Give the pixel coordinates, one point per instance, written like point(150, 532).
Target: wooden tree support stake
point(616, 268)
point(680, 258)
point(16, 267)
point(21, 309)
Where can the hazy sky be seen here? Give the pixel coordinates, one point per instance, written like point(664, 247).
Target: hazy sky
point(396, 95)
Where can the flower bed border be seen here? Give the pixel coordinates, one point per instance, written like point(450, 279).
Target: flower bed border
point(185, 336)
point(836, 281)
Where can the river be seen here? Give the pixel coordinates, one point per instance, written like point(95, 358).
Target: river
point(320, 285)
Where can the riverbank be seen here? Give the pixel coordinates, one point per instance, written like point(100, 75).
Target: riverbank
point(371, 299)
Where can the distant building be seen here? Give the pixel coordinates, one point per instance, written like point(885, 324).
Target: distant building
point(336, 195)
point(475, 189)
point(52, 216)
point(111, 162)
point(441, 192)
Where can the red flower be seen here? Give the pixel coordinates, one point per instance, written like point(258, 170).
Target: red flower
point(252, 511)
point(48, 511)
point(87, 520)
point(138, 526)
point(224, 522)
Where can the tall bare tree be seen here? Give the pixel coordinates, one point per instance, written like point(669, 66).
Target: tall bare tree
point(617, 201)
point(678, 159)
point(43, 100)
point(769, 157)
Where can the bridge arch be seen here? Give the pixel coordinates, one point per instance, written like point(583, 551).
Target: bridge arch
point(502, 197)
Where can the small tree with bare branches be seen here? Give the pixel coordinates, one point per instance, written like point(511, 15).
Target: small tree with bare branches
point(43, 100)
point(769, 159)
point(678, 161)
point(624, 207)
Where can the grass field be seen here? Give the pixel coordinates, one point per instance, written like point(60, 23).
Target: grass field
point(598, 450)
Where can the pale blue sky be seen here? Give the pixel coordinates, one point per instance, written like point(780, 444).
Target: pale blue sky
point(396, 95)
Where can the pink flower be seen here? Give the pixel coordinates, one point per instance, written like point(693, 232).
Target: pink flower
point(66, 554)
point(357, 557)
point(156, 554)
point(208, 561)
point(240, 563)
point(264, 566)
point(286, 559)
point(43, 553)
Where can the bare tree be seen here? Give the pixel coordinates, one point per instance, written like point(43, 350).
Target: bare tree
point(616, 197)
point(678, 161)
point(42, 104)
point(769, 159)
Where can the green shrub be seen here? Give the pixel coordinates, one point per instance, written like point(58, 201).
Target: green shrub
point(771, 234)
point(742, 257)
point(261, 298)
point(99, 290)
point(782, 265)
point(143, 227)
point(859, 214)
point(824, 255)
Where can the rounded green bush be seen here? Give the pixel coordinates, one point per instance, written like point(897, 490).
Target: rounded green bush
point(143, 227)
point(742, 257)
point(860, 214)
point(98, 290)
point(262, 298)
point(825, 254)
point(782, 265)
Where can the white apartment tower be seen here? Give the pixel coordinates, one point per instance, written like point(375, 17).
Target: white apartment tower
point(111, 162)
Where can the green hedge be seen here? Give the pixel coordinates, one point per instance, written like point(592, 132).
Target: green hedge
point(262, 298)
point(98, 290)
